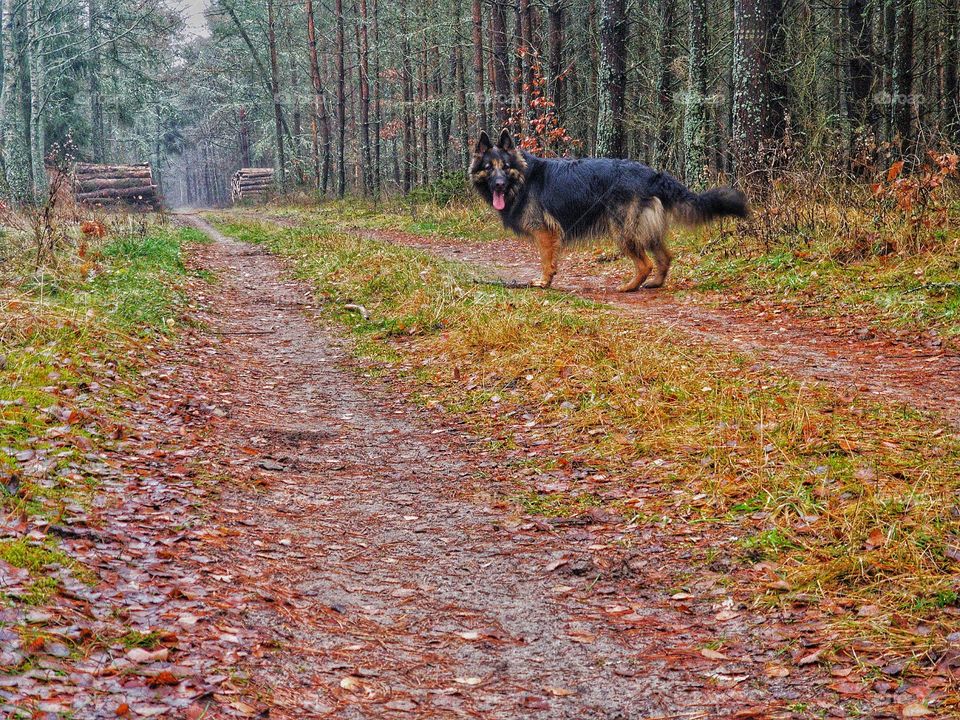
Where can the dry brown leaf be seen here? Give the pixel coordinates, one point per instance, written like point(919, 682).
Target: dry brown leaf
point(713, 654)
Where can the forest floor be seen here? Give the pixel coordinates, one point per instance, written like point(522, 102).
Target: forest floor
point(321, 499)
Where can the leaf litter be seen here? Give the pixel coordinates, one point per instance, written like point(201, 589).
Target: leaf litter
point(198, 607)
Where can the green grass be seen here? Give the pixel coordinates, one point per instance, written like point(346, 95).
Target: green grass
point(136, 638)
point(816, 269)
point(72, 342)
point(717, 438)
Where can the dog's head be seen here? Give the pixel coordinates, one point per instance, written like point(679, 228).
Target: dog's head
point(497, 171)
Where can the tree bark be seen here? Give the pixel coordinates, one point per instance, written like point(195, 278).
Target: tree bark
point(695, 109)
point(661, 153)
point(558, 84)
point(479, 98)
point(275, 90)
point(859, 65)
point(951, 76)
point(341, 101)
point(902, 100)
point(611, 79)
point(501, 62)
point(365, 100)
point(756, 22)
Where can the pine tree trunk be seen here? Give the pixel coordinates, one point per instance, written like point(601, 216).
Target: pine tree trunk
point(558, 82)
point(951, 81)
point(37, 62)
point(341, 101)
point(409, 151)
point(859, 65)
point(275, 89)
point(611, 79)
point(753, 123)
point(501, 62)
point(479, 98)
point(695, 115)
point(97, 137)
point(365, 100)
point(376, 99)
point(661, 153)
point(902, 100)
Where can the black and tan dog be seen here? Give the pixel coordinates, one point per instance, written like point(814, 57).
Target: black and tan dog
point(557, 202)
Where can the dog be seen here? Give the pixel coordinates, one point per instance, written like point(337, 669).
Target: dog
point(558, 202)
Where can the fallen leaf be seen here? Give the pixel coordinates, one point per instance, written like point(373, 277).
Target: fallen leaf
point(916, 710)
point(713, 654)
point(558, 691)
point(139, 655)
point(468, 680)
point(811, 658)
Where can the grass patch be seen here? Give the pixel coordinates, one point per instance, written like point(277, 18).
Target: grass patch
point(818, 268)
point(71, 340)
point(856, 501)
point(135, 638)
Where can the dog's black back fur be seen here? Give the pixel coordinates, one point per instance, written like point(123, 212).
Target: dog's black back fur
point(585, 195)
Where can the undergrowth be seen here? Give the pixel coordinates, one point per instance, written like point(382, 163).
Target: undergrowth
point(67, 331)
point(851, 501)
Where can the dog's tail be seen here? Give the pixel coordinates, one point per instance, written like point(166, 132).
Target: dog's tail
point(698, 208)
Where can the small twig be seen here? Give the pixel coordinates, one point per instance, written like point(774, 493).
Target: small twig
point(509, 284)
point(935, 286)
point(364, 313)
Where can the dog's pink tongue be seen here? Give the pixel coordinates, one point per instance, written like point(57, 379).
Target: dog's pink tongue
point(499, 201)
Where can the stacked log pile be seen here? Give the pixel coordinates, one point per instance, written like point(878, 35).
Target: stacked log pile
point(129, 185)
point(251, 184)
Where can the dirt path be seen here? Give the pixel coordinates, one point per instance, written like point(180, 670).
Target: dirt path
point(838, 351)
point(376, 582)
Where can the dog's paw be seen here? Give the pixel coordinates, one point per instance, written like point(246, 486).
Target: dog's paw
point(541, 283)
point(653, 283)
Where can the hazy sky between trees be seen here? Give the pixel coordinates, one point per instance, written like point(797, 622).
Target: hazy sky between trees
point(193, 13)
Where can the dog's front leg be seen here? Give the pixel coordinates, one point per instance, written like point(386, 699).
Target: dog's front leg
point(548, 244)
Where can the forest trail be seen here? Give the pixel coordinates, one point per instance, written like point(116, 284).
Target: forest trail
point(838, 351)
point(378, 579)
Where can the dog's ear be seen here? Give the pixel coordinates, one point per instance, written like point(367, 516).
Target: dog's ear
point(483, 143)
point(506, 142)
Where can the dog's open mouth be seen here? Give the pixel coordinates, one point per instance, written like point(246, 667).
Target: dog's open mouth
point(499, 200)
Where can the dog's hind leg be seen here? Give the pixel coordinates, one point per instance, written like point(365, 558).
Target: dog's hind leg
point(548, 244)
point(661, 260)
point(631, 240)
point(653, 231)
point(642, 263)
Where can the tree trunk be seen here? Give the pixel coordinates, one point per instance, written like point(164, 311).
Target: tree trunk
point(695, 115)
point(557, 79)
point(859, 65)
point(661, 153)
point(376, 99)
point(38, 98)
point(409, 154)
point(501, 62)
point(365, 100)
point(611, 79)
point(97, 137)
point(341, 101)
point(902, 100)
point(275, 90)
point(479, 99)
point(753, 118)
point(951, 82)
